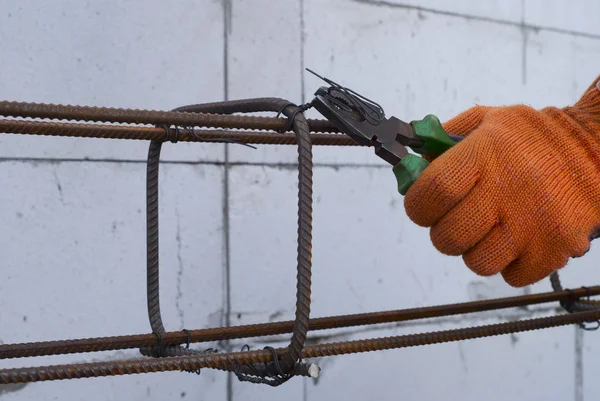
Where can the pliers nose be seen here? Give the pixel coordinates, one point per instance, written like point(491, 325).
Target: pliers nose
point(364, 121)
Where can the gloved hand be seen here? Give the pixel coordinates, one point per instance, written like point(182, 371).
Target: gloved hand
point(520, 194)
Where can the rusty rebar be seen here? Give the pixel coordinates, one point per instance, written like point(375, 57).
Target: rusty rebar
point(299, 125)
point(444, 336)
point(153, 256)
point(155, 117)
point(231, 360)
point(300, 128)
point(304, 236)
point(132, 132)
point(571, 305)
point(268, 329)
point(152, 233)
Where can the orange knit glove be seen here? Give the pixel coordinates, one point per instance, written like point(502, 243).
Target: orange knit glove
point(520, 194)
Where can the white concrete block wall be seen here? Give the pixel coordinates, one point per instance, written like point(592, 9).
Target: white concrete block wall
point(73, 210)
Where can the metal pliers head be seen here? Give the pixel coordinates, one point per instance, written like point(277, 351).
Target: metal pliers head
point(364, 121)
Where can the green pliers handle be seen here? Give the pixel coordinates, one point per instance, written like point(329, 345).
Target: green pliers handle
point(436, 141)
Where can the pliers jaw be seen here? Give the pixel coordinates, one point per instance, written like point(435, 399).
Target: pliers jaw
point(364, 121)
point(369, 128)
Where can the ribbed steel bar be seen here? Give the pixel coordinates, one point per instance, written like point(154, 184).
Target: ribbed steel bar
point(572, 305)
point(444, 336)
point(46, 128)
point(299, 369)
point(229, 361)
point(268, 329)
point(152, 253)
point(301, 129)
point(154, 117)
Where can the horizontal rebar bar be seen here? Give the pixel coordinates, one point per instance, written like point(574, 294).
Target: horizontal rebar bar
point(45, 128)
point(232, 359)
point(151, 117)
point(22, 350)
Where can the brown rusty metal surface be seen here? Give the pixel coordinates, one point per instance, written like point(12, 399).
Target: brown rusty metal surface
point(276, 328)
point(153, 117)
point(572, 305)
point(231, 360)
point(438, 337)
point(156, 134)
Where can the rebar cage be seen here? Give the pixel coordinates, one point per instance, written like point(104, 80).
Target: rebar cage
point(163, 350)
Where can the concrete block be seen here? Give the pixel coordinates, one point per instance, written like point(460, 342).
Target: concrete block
point(497, 10)
point(564, 15)
point(110, 54)
point(74, 266)
point(265, 60)
point(384, 53)
point(263, 221)
point(183, 386)
point(460, 367)
point(74, 249)
point(531, 365)
point(365, 250)
point(74, 232)
point(559, 68)
point(588, 345)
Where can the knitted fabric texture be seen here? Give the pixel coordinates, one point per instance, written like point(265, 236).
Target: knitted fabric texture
point(520, 194)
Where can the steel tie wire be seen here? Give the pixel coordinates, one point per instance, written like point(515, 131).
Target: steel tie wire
point(572, 304)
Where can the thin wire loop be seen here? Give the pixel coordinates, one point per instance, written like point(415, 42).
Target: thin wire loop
point(572, 305)
point(290, 121)
point(159, 350)
point(366, 108)
point(189, 338)
point(168, 138)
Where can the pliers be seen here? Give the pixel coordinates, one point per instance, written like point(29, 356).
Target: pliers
point(364, 121)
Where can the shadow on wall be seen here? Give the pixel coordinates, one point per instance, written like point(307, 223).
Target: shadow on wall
point(9, 388)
